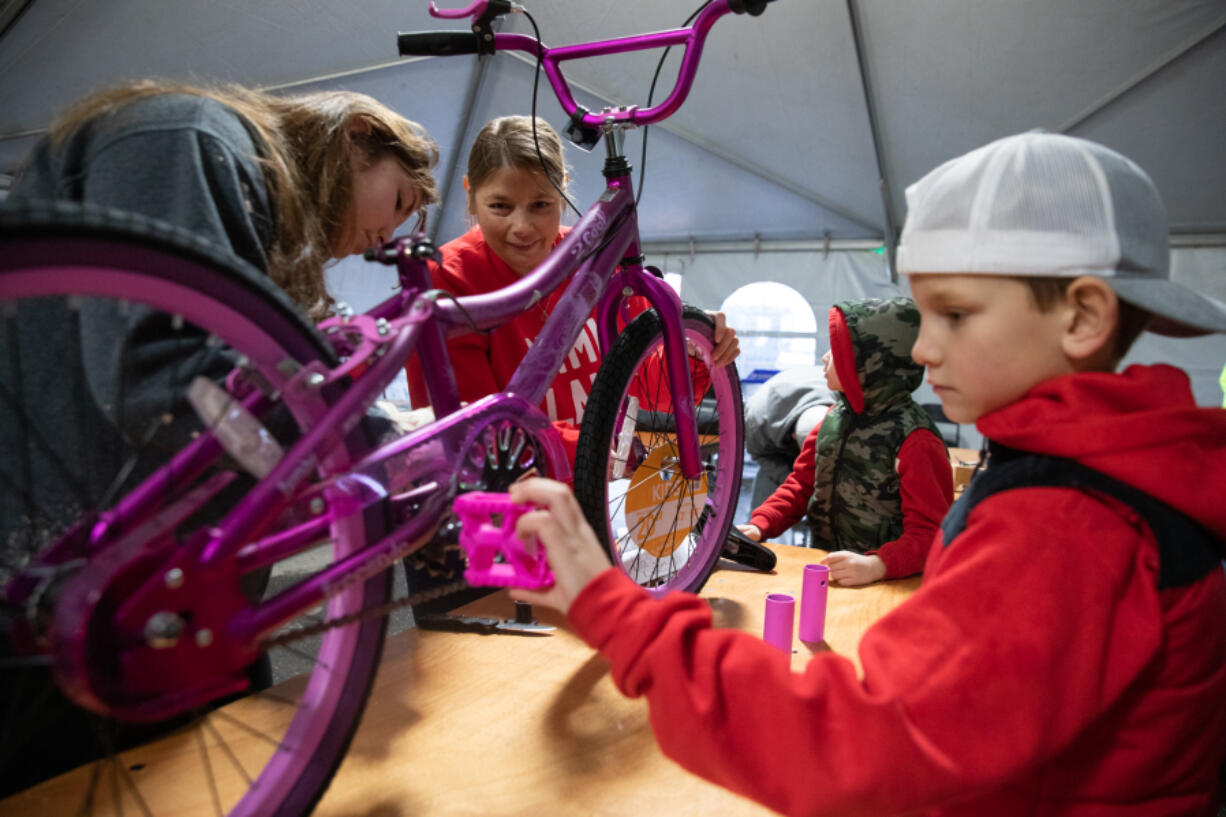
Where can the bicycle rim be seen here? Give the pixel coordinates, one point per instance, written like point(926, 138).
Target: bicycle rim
point(663, 530)
point(272, 752)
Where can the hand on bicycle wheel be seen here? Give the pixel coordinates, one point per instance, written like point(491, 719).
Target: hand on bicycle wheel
point(575, 555)
point(727, 347)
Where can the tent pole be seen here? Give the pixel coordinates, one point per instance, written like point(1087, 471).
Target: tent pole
point(451, 177)
point(870, 104)
point(1148, 72)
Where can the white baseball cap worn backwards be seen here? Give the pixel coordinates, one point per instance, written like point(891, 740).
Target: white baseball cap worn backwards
point(1044, 204)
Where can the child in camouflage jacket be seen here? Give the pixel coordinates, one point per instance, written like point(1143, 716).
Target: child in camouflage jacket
point(873, 477)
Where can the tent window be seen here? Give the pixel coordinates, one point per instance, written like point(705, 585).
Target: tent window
point(776, 328)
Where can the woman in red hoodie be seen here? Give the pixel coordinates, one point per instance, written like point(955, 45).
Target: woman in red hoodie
point(515, 194)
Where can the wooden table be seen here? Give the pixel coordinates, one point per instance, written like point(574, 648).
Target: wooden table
point(507, 725)
point(964, 461)
point(464, 724)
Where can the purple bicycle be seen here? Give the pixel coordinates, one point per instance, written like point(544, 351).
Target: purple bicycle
point(237, 439)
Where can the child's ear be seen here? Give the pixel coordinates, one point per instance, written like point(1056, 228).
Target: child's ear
point(1093, 312)
point(468, 195)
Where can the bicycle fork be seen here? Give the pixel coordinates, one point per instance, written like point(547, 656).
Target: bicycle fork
point(632, 279)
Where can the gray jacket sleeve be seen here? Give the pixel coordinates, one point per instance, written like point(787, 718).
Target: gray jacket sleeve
point(181, 159)
point(771, 412)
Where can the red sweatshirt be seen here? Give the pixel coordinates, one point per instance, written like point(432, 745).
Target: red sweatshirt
point(484, 362)
point(1038, 670)
point(926, 485)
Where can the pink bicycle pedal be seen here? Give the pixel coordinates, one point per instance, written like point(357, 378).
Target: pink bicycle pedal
point(496, 556)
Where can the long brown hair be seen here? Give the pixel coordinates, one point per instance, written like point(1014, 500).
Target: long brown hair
point(309, 144)
point(507, 142)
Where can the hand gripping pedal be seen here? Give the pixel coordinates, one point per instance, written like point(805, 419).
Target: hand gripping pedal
point(496, 556)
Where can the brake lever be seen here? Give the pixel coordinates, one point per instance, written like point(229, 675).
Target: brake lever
point(481, 9)
point(483, 12)
point(477, 7)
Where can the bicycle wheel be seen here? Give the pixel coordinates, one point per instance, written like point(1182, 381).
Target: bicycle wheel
point(663, 530)
point(105, 320)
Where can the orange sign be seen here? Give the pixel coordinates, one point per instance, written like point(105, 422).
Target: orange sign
point(662, 506)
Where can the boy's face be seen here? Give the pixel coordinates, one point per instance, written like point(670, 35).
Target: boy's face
point(832, 377)
point(984, 341)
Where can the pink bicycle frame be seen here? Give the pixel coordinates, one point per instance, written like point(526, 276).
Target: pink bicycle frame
point(601, 257)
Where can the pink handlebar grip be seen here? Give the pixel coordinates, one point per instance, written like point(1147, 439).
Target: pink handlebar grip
point(496, 556)
point(813, 602)
point(780, 613)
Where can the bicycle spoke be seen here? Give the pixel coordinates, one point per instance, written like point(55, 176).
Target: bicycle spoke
point(686, 522)
point(95, 782)
point(250, 729)
point(225, 747)
point(305, 655)
point(208, 771)
point(140, 446)
point(29, 435)
point(23, 419)
point(43, 518)
point(79, 396)
point(120, 779)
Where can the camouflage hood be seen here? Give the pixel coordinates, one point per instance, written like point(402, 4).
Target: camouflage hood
point(856, 503)
point(882, 332)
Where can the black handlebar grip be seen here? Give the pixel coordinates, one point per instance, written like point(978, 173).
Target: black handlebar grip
point(436, 43)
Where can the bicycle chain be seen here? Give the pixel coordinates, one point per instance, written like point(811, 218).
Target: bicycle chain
point(306, 631)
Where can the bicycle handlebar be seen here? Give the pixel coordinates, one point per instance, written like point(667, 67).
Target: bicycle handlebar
point(437, 43)
point(446, 43)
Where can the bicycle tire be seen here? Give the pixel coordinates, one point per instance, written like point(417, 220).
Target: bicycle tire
point(672, 543)
point(66, 253)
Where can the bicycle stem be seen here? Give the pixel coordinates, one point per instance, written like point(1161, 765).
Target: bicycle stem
point(668, 306)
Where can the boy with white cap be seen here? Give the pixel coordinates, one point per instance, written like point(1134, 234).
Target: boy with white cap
point(1066, 654)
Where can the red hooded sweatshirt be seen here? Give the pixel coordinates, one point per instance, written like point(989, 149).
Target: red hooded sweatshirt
point(926, 486)
point(485, 361)
point(1037, 671)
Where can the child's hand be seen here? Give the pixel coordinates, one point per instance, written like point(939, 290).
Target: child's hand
point(850, 569)
point(727, 347)
point(405, 418)
point(574, 554)
point(752, 531)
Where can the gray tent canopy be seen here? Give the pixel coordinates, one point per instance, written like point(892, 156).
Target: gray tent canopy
point(790, 159)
